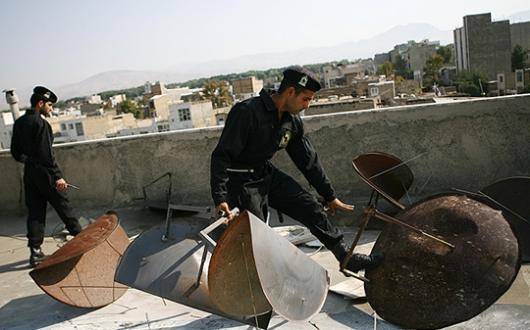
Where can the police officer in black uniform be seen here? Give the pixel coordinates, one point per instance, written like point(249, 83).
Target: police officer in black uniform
point(243, 176)
point(31, 144)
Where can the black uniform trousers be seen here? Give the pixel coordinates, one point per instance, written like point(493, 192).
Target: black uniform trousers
point(273, 187)
point(40, 190)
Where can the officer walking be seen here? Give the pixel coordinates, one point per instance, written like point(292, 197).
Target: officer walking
point(31, 144)
point(243, 176)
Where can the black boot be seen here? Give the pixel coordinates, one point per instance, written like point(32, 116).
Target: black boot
point(357, 261)
point(36, 256)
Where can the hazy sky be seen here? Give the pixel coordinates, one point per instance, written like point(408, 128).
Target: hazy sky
point(61, 42)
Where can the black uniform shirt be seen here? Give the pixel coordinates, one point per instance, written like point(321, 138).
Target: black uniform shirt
point(32, 143)
point(252, 135)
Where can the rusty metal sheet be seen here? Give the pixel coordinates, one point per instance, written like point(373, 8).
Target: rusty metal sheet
point(81, 272)
point(512, 197)
point(171, 268)
point(423, 284)
point(386, 174)
point(254, 270)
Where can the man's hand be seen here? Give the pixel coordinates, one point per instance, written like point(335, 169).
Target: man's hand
point(224, 208)
point(336, 204)
point(61, 185)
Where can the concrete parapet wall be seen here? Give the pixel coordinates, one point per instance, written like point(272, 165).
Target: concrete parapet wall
point(466, 144)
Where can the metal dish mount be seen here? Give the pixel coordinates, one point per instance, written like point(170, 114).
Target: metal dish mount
point(247, 274)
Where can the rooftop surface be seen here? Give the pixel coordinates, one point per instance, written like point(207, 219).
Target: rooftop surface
point(23, 305)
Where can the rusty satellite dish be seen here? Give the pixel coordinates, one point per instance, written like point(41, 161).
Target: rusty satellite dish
point(386, 174)
point(512, 197)
point(171, 262)
point(176, 262)
point(81, 272)
point(254, 270)
point(422, 284)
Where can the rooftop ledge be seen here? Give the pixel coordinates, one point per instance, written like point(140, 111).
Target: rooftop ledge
point(466, 144)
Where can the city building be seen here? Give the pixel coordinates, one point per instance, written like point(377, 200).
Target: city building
point(520, 35)
point(159, 98)
point(191, 115)
point(486, 46)
point(360, 86)
point(220, 115)
point(381, 58)
point(143, 126)
point(247, 87)
point(344, 74)
point(415, 55)
point(158, 88)
point(92, 127)
point(117, 99)
point(94, 99)
point(482, 45)
point(385, 90)
point(332, 76)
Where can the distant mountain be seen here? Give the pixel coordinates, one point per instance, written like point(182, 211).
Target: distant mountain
point(383, 42)
point(522, 16)
point(350, 50)
point(113, 80)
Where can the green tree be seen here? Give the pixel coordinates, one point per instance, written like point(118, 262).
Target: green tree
point(401, 68)
point(472, 83)
point(446, 52)
point(217, 92)
point(432, 69)
point(129, 106)
point(519, 58)
point(386, 69)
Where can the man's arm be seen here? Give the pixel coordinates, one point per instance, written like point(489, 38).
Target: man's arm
point(47, 153)
point(306, 160)
point(16, 148)
point(232, 142)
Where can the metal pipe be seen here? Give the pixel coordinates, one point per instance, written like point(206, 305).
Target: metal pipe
point(393, 220)
point(12, 100)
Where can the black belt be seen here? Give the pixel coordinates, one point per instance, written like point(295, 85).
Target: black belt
point(240, 170)
point(249, 169)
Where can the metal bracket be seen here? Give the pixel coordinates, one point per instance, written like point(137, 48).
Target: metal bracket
point(204, 234)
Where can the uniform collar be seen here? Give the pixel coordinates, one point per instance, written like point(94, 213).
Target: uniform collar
point(267, 100)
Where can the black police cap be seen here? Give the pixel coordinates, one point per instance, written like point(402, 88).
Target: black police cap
point(302, 77)
point(45, 94)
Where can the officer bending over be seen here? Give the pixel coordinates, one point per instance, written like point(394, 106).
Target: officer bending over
point(31, 144)
point(243, 176)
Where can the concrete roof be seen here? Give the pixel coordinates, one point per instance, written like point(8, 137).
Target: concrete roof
point(24, 306)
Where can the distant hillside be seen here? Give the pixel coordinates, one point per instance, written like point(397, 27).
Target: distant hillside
point(522, 16)
point(117, 80)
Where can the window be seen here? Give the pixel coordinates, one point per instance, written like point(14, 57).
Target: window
point(374, 91)
point(501, 78)
point(70, 126)
point(184, 114)
point(63, 127)
point(519, 76)
point(79, 129)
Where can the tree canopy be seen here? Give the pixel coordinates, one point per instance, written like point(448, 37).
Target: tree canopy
point(519, 58)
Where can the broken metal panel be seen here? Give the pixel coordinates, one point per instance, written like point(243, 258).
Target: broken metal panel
point(422, 283)
point(295, 285)
point(233, 280)
point(254, 270)
point(512, 197)
point(171, 268)
point(81, 272)
point(251, 272)
point(386, 174)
